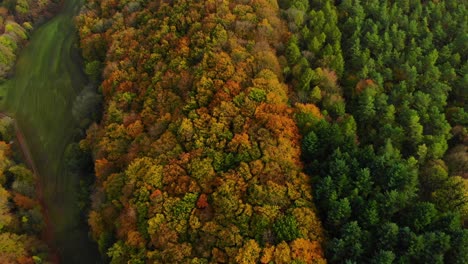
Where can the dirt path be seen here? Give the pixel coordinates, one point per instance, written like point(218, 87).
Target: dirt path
point(47, 233)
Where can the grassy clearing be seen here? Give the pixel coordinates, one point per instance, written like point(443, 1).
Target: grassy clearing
point(40, 95)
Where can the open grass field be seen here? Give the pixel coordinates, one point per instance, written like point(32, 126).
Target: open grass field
point(40, 95)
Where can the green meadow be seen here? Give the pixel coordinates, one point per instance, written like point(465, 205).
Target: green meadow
point(47, 80)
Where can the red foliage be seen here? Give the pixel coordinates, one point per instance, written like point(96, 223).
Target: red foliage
point(24, 201)
point(363, 84)
point(25, 260)
point(155, 194)
point(102, 168)
point(202, 202)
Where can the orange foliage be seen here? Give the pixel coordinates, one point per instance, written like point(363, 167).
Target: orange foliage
point(183, 46)
point(135, 239)
point(218, 255)
point(5, 148)
point(267, 256)
point(208, 107)
point(127, 221)
point(25, 260)
point(156, 194)
point(125, 86)
point(102, 168)
point(135, 129)
point(239, 143)
point(275, 119)
point(363, 84)
point(95, 222)
point(24, 201)
point(202, 202)
point(306, 251)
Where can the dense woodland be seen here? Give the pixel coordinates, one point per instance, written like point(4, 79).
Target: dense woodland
point(261, 131)
point(196, 113)
point(21, 219)
point(17, 20)
point(223, 119)
point(388, 155)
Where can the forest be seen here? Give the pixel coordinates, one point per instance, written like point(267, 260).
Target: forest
point(258, 131)
point(388, 154)
point(21, 214)
point(186, 156)
point(231, 130)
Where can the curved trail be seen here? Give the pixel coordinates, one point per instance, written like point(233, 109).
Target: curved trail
point(40, 96)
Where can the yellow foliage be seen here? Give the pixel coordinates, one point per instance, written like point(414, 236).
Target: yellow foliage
point(309, 109)
point(267, 255)
point(306, 250)
point(249, 253)
point(282, 254)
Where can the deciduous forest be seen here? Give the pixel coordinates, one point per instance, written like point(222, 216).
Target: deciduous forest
point(197, 157)
point(259, 131)
point(21, 218)
point(223, 119)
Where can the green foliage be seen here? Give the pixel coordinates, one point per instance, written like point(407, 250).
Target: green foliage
point(421, 215)
point(93, 70)
point(310, 143)
point(349, 245)
point(286, 228)
point(339, 212)
point(293, 53)
point(12, 246)
point(15, 30)
point(196, 185)
point(315, 95)
point(181, 210)
point(258, 95)
point(399, 78)
point(104, 241)
point(22, 6)
point(75, 158)
point(384, 257)
point(383, 73)
point(117, 253)
point(260, 225)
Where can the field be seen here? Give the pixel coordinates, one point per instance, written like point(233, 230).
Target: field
point(47, 80)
